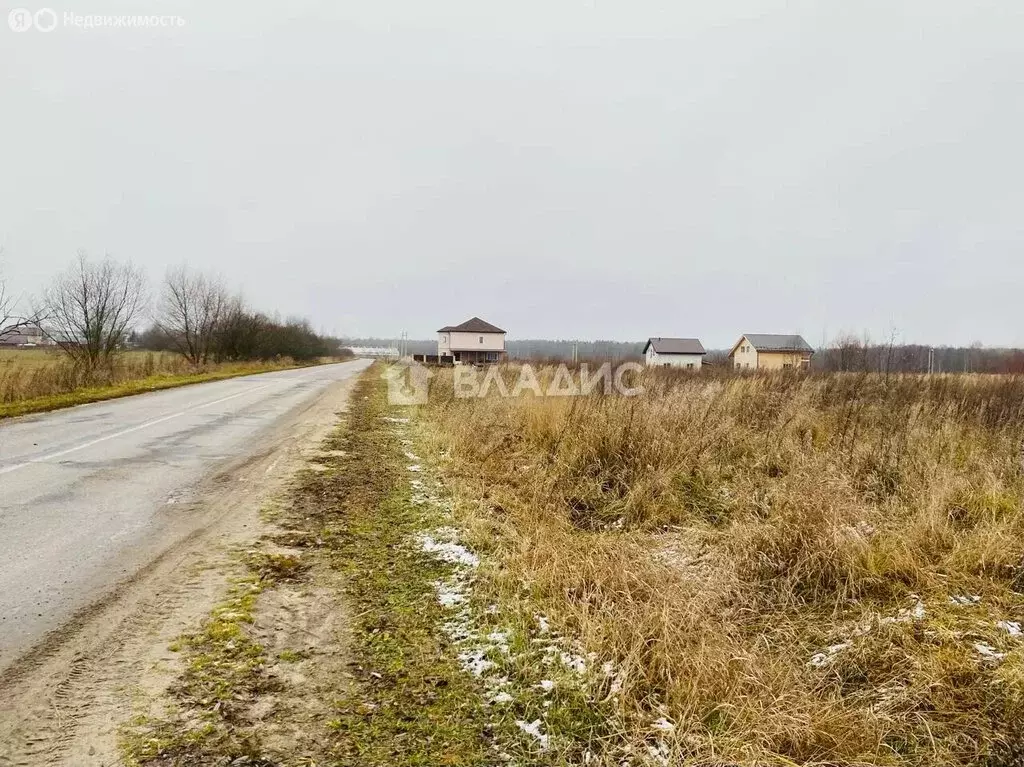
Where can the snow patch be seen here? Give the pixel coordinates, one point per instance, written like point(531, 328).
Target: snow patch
point(659, 753)
point(448, 551)
point(475, 662)
point(448, 594)
point(533, 728)
point(822, 659)
point(964, 600)
point(988, 652)
point(1013, 628)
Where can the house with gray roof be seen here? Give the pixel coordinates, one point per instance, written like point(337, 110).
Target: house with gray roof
point(686, 353)
point(771, 351)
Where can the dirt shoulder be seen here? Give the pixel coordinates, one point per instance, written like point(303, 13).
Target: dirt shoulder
point(65, 702)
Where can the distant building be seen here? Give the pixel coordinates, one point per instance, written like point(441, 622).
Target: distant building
point(687, 353)
point(768, 351)
point(374, 352)
point(29, 335)
point(472, 342)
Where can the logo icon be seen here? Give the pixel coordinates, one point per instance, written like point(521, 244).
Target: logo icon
point(20, 20)
point(45, 20)
point(408, 383)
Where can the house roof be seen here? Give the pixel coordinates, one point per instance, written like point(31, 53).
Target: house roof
point(675, 346)
point(472, 325)
point(773, 342)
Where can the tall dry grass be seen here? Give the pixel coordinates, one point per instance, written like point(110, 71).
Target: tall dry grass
point(40, 375)
point(31, 374)
point(808, 570)
point(28, 374)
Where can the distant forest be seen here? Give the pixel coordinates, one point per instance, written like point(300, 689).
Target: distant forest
point(844, 354)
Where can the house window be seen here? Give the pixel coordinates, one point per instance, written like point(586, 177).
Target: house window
point(481, 339)
point(689, 365)
point(492, 356)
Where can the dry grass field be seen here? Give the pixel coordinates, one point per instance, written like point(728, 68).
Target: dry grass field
point(34, 380)
point(38, 372)
point(781, 569)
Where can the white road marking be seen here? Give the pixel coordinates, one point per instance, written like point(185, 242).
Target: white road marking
point(140, 427)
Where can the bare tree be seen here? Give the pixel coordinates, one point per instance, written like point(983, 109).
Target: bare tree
point(847, 353)
point(240, 332)
point(10, 320)
point(192, 308)
point(91, 308)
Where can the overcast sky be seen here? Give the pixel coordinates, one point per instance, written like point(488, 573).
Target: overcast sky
point(561, 168)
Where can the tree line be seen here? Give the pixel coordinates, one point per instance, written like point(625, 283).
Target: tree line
point(849, 353)
point(95, 309)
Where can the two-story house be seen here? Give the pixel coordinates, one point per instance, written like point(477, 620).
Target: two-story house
point(472, 342)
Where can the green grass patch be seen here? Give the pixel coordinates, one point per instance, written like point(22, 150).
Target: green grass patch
point(224, 671)
point(413, 704)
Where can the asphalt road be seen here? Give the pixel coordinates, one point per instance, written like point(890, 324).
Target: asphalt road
point(89, 493)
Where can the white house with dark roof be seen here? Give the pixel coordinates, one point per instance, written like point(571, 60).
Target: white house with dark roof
point(474, 341)
point(770, 351)
point(686, 353)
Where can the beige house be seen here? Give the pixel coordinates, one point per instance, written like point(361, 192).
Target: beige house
point(768, 351)
point(472, 342)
